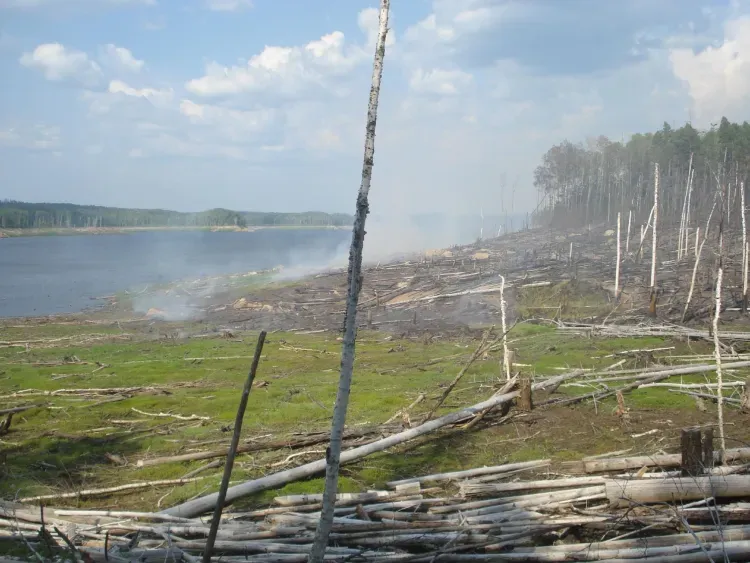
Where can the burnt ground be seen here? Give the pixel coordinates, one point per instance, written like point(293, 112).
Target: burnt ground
point(549, 274)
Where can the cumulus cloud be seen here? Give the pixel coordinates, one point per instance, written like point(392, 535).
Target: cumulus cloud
point(473, 92)
point(228, 5)
point(368, 21)
point(285, 71)
point(153, 95)
point(718, 77)
point(50, 3)
point(39, 137)
point(439, 82)
point(120, 58)
point(56, 62)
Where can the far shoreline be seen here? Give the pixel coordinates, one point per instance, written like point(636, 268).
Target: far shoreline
point(73, 231)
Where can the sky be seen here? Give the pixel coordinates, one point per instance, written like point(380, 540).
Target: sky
point(261, 104)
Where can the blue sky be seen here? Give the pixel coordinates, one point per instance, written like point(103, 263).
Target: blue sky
point(260, 104)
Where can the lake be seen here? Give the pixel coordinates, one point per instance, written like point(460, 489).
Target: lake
point(61, 274)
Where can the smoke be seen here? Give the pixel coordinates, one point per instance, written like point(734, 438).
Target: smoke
point(287, 256)
point(183, 300)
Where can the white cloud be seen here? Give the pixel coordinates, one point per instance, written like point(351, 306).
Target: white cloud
point(228, 5)
point(120, 58)
point(368, 21)
point(439, 81)
point(45, 3)
point(229, 124)
point(153, 95)
point(286, 71)
point(428, 31)
point(455, 117)
point(57, 62)
point(718, 77)
point(39, 137)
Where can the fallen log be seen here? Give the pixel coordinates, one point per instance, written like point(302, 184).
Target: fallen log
point(256, 447)
point(456, 475)
point(16, 410)
point(200, 505)
point(653, 378)
point(110, 490)
point(622, 493)
point(637, 462)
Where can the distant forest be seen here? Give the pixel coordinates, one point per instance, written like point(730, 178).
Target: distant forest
point(20, 215)
point(583, 184)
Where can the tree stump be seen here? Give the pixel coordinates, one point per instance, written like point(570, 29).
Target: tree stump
point(525, 401)
point(708, 449)
point(692, 452)
point(745, 404)
point(652, 303)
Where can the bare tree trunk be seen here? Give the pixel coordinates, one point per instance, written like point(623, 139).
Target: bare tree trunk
point(652, 306)
point(744, 249)
point(698, 253)
point(717, 354)
point(697, 236)
point(216, 521)
point(506, 364)
point(617, 266)
point(627, 239)
point(687, 214)
point(333, 453)
point(717, 343)
point(683, 217)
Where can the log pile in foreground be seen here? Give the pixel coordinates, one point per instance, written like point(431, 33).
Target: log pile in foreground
point(644, 509)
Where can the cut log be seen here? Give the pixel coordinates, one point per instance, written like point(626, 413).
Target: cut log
point(456, 475)
point(622, 493)
point(637, 462)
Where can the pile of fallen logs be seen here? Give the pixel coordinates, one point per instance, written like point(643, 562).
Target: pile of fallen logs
point(676, 507)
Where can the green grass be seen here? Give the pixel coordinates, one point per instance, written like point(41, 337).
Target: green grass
point(64, 445)
point(570, 299)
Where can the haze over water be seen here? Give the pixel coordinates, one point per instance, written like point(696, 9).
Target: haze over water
point(59, 274)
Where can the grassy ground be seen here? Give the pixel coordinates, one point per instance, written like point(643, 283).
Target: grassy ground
point(64, 445)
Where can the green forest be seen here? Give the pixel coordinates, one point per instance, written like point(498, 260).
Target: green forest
point(21, 215)
point(581, 184)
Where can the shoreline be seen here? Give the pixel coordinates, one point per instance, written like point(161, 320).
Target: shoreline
point(77, 231)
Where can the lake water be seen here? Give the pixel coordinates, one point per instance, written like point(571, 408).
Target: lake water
point(59, 274)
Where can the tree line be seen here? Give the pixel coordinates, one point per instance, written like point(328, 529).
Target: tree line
point(580, 184)
point(22, 215)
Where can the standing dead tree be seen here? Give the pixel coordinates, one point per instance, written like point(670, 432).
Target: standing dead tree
point(744, 248)
point(698, 252)
point(216, 521)
point(506, 364)
point(333, 453)
point(717, 343)
point(617, 266)
point(652, 305)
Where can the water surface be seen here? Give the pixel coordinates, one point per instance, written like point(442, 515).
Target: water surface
point(59, 274)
